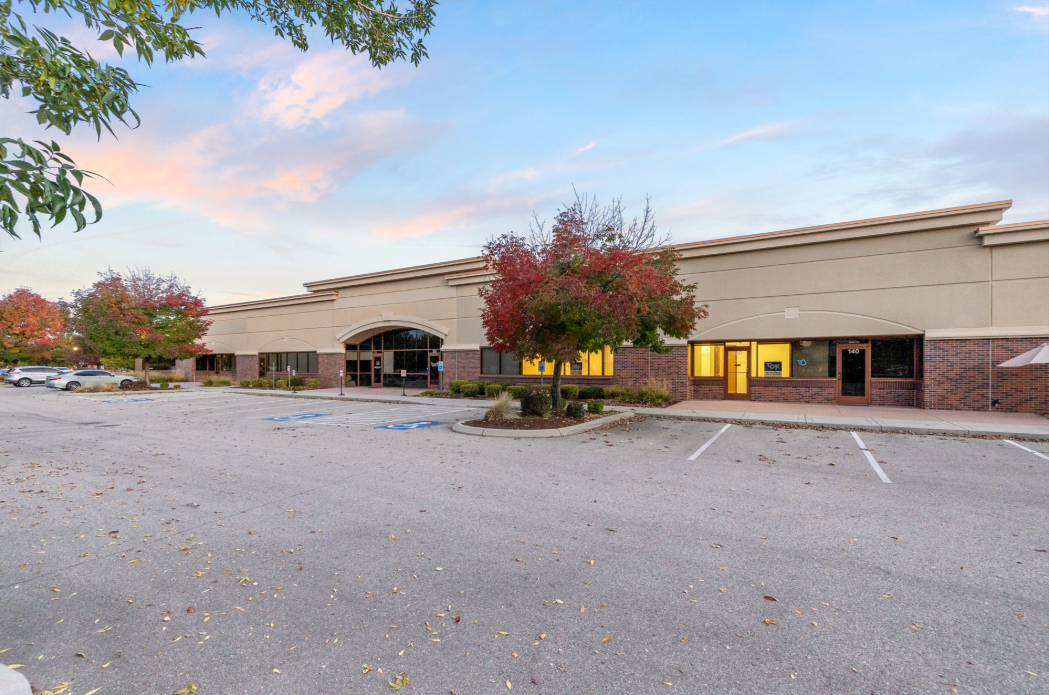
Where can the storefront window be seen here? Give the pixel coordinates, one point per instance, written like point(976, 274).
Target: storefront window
point(708, 360)
point(589, 364)
point(892, 358)
point(300, 362)
point(774, 359)
point(493, 362)
point(814, 359)
point(215, 363)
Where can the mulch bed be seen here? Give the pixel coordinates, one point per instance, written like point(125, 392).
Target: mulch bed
point(535, 423)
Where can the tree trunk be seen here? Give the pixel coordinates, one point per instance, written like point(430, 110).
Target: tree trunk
point(145, 370)
point(555, 388)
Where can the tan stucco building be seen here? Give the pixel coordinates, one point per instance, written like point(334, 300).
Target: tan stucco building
point(910, 310)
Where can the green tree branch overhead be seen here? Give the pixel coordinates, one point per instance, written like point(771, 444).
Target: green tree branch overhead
point(69, 87)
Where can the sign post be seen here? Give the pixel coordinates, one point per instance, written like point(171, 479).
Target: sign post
point(341, 380)
point(404, 376)
point(440, 374)
point(542, 369)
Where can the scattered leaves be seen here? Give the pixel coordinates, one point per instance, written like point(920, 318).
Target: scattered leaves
point(188, 690)
point(770, 598)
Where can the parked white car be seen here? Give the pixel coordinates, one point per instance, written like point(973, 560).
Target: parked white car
point(27, 376)
point(71, 381)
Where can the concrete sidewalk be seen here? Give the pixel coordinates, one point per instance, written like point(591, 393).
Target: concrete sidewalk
point(960, 422)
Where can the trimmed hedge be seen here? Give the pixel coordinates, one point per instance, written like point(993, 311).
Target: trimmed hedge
point(591, 392)
point(246, 383)
point(209, 381)
point(515, 390)
point(493, 390)
point(282, 383)
point(469, 390)
point(313, 383)
point(574, 410)
point(535, 402)
point(455, 385)
point(569, 392)
point(595, 407)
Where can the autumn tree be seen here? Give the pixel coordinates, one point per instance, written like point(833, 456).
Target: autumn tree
point(38, 182)
point(593, 281)
point(30, 327)
point(139, 315)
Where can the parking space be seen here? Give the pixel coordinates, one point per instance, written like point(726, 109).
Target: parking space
point(612, 561)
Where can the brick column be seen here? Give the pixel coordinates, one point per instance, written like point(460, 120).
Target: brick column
point(461, 364)
point(248, 366)
point(328, 366)
point(187, 368)
point(634, 366)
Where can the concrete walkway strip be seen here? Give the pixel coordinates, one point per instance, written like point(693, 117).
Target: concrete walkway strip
point(870, 459)
point(710, 441)
point(1028, 450)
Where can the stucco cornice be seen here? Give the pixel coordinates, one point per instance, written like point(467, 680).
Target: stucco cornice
point(419, 271)
point(969, 215)
point(1020, 233)
point(292, 300)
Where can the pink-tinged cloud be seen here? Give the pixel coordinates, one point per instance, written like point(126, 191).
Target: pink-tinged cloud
point(460, 212)
point(584, 148)
point(763, 131)
point(525, 174)
point(317, 85)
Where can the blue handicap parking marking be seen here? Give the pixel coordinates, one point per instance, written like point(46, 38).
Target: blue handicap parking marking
point(129, 400)
point(300, 416)
point(410, 425)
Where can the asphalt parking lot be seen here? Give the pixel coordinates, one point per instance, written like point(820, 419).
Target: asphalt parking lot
point(250, 544)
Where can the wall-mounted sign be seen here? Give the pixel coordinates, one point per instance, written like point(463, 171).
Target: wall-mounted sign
point(773, 369)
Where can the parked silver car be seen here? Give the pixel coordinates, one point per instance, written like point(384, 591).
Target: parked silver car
point(71, 381)
point(27, 376)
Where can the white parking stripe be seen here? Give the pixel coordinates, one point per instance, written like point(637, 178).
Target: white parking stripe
point(874, 464)
point(1026, 449)
point(710, 441)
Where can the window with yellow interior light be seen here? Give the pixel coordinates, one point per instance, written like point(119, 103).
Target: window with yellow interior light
point(708, 360)
point(589, 364)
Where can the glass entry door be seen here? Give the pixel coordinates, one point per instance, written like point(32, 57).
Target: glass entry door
point(854, 368)
point(376, 369)
point(737, 373)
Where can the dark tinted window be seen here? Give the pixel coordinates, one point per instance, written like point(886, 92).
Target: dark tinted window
point(814, 359)
point(493, 362)
point(892, 358)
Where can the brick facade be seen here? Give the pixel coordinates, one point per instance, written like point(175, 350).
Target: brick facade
point(895, 392)
point(461, 364)
point(247, 367)
point(635, 366)
point(328, 366)
point(962, 375)
point(779, 390)
point(708, 388)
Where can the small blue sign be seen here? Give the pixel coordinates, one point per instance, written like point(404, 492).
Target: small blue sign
point(440, 366)
point(300, 416)
point(410, 425)
point(773, 369)
point(129, 400)
point(542, 366)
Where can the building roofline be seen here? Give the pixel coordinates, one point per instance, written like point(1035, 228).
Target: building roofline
point(440, 268)
point(274, 301)
point(855, 224)
point(1014, 227)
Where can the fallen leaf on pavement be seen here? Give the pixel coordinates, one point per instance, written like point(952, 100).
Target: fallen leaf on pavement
point(187, 690)
point(605, 640)
point(770, 598)
point(770, 621)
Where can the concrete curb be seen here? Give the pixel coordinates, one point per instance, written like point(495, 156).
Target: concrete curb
point(13, 683)
point(538, 434)
point(855, 423)
point(300, 395)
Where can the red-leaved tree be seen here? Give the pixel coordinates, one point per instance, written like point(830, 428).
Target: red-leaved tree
point(30, 327)
point(139, 316)
point(592, 281)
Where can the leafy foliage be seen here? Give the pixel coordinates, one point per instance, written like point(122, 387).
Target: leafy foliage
point(140, 316)
point(70, 87)
point(593, 281)
point(30, 327)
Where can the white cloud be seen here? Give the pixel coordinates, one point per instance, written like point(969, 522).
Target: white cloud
point(525, 174)
point(1042, 11)
point(584, 148)
point(763, 131)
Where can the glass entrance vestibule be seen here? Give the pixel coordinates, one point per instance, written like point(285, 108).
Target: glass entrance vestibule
point(378, 360)
point(841, 370)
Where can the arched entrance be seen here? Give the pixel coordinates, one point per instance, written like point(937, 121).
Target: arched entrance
point(378, 359)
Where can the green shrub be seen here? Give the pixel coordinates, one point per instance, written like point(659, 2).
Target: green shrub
point(493, 390)
point(591, 392)
point(515, 390)
point(574, 410)
point(177, 386)
point(654, 392)
point(615, 392)
point(247, 383)
point(569, 392)
point(163, 384)
point(595, 407)
point(535, 402)
point(312, 384)
point(262, 383)
point(430, 393)
point(482, 385)
point(296, 381)
point(282, 383)
point(456, 385)
point(469, 390)
point(155, 377)
point(212, 381)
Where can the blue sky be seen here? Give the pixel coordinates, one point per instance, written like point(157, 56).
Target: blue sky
point(261, 167)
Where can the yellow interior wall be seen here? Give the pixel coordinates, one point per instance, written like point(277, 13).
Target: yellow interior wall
point(594, 364)
point(773, 352)
point(708, 360)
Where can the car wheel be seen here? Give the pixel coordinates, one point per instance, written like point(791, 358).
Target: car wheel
point(125, 384)
point(24, 382)
point(72, 386)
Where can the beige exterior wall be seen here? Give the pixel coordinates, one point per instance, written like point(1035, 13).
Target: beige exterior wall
point(941, 272)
